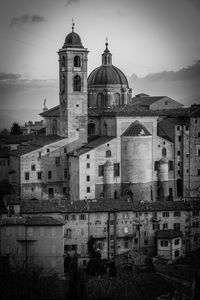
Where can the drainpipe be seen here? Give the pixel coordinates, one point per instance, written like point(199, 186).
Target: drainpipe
point(108, 238)
point(115, 232)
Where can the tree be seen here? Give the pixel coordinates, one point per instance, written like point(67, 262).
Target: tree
point(4, 132)
point(15, 129)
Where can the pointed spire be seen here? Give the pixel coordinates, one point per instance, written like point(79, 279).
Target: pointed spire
point(73, 24)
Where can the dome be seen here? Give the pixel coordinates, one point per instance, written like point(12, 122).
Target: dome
point(72, 40)
point(107, 74)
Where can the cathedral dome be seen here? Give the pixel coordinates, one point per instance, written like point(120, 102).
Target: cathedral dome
point(73, 40)
point(106, 75)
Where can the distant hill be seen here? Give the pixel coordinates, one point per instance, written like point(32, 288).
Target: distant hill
point(8, 116)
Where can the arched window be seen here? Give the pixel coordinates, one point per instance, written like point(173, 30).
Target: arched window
point(54, 126)
point(117, 99)
point(63, 83)
point(68, 233)
point(77, 83)
point(63, 61)
point(100, 100)
point(105, 129)
point(164, 151)
point(108, 153)
point(91, 129)
point(77, 61)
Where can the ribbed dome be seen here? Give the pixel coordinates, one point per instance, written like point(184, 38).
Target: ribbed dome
point(72, 40)
point(107, 74)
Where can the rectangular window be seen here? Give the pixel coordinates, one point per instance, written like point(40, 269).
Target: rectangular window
point(126, 244)
point(32, 167)
point(178, 152)
point(198, 151)
point(198, 172)
point(57, 161)
point(156, 226)
point(178, 127)
point(82, 217)
point(88, 178)
point(177, 214)
point(176, 242)
point(88, 156)
point(39, 155)
point(165, 214)
point(171, 165)
point(73, 217)
point(164, 243)
point(64, 190)
point(170, 191)
point(88, 189)
point(26, 174)
point(39, 175)
point(156, 165)
point(177, 226)
point(49, 175)
point(179, 138)
point(48, 150)
point(136, 241)
point(116, 169)
point(51, 192)
point(65, 174)
point(101, 170)
point(88, 165)
point(165, 226)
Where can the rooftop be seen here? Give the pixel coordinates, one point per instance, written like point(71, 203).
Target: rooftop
point(31, 220)
point(90, 146)
point(168, 234)
point(136, 129)
point(103, 205)
point(52, 112)
point(35, 144)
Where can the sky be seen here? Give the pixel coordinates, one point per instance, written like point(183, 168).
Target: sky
point(146, 37)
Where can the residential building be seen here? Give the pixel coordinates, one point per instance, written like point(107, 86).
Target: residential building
point(35, 242)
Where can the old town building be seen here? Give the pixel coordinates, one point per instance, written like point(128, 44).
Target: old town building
point(35, 242)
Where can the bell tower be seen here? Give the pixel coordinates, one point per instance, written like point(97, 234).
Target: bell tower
point(73, 88)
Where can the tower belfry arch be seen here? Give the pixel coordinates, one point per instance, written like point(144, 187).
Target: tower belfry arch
point(73, 88)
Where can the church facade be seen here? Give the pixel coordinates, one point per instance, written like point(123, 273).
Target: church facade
point(114, 148)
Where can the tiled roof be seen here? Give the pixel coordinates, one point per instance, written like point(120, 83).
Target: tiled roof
point(52, 112)
point(35, 144)
point(168, 234)
point(122, 110)
point(146, 101)
point(103, 205)
point(32, 221)
point(23, 150)
point(41, 140)
point(17, 139)
point(93, 144)
point(136, 129)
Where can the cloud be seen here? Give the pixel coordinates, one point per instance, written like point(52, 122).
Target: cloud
point(10, 83)
point(8, 76)
point(189, 73)
point(26, 19)
point(70, 2)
